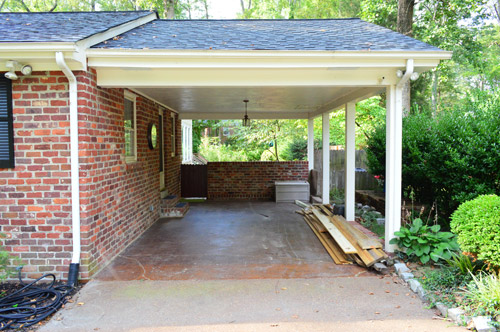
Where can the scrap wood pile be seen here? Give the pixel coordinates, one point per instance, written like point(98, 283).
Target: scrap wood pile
point(344, 242)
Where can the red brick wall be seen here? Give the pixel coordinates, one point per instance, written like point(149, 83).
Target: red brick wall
point(116, 197)
point(251, 180)
point(35, 210)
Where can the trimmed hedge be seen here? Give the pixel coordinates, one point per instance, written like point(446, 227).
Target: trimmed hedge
point(448, 159)
point(477, 224)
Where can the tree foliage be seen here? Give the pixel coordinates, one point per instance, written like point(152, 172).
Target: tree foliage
point(450, 158)
point(300, 9)
point(182, 9)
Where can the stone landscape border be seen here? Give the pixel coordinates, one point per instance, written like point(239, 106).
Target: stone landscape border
point(457, 315)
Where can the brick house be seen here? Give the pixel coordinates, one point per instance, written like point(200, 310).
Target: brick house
point(124, 80)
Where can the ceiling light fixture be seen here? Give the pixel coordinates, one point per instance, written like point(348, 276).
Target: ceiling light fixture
point(246, 120)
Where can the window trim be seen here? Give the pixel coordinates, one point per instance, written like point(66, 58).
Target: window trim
point(9, 163)
point(173, 133)
point(133, 98)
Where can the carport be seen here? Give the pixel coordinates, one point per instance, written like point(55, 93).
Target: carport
point(228, 241)
point(287, 69)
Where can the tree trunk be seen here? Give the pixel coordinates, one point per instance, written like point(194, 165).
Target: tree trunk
point(434, 92)
point(205, 4)
point(169, 11)
point(243, 9)
point(405, 27)
point(24, 5)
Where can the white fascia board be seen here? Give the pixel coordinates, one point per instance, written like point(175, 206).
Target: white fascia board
point(109, 52)
point(83, 45)
point(239, 115)
point(41, 56)
point(138, 59)
point(211, 77)
point(95, 39)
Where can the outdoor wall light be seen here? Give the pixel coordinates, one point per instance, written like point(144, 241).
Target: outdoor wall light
point(414, 76)
point(13, 65)
point(246, 120)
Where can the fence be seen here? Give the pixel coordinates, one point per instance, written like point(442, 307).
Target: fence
point(364, 180)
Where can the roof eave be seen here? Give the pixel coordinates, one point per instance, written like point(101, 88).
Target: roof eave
point(134, 59)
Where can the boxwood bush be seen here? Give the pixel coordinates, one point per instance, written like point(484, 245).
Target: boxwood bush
point(450, 158)
point(477, 224)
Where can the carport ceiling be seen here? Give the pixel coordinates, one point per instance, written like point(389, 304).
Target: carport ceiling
point(264, 102)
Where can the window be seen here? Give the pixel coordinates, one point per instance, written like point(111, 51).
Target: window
point(130, 125)
point(172, 136)
point(6, 129)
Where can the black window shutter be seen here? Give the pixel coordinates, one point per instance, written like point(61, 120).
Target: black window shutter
point(6, 128)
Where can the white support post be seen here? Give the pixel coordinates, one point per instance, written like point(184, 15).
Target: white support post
point(350, 160)
point(310, 143)
point(394, 132)
point(326, 158)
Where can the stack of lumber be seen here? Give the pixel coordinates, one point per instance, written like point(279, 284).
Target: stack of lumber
point(344, 242)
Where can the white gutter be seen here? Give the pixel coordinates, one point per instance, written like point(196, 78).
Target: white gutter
point(75, 178)
point(407, 74)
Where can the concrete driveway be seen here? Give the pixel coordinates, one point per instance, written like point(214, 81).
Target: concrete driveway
point(308, 305)
point(244, 266)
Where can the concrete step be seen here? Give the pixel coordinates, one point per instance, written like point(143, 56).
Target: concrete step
point(177, 211)
point(169, 201)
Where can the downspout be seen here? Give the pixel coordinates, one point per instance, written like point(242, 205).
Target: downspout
point(75, 178)
point(407, 74)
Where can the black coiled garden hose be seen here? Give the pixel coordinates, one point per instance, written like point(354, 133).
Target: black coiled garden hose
point(32, 304)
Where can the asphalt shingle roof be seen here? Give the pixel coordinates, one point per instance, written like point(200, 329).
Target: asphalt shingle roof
point(323, 35)
point(60, 26)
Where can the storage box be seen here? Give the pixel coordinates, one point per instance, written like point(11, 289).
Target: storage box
point(289, 191)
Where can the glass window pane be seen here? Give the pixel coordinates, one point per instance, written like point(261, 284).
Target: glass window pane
point(129, 114)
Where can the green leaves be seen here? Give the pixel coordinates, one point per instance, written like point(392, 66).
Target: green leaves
point(477, 224)
point(424, 243)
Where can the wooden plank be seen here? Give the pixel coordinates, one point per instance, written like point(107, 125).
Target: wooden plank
point(326, 210)
point(364, 241)
point(346, 246)
point(365, 256)
point(333, 254)
point(331, 242)
point(302, 204)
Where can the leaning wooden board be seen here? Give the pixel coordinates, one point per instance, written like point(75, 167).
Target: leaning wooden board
point(334, 252)
point(346, 246)
point(364, 255)
point(363, 240)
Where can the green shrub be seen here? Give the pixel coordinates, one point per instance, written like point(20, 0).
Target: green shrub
point(483, 295)
point(477, 224)
point(422, 242)
point(450, 158)
point(465, 264)
point(296, 149)
point(6, 262)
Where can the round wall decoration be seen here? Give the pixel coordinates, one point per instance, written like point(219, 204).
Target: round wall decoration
point(152, 136)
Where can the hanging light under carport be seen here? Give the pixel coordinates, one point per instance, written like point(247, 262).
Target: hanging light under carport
point(246, 120)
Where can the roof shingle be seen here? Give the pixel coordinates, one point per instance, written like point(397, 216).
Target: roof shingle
point(60, 26)
point(315, 34)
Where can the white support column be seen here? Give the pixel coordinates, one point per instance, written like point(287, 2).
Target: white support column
point(326, 158)
point(394, 132)
point(350, 160)
point(310, 143)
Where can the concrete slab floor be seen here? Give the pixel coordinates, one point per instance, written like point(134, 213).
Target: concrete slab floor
point(308, 305)
point(228, 240)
